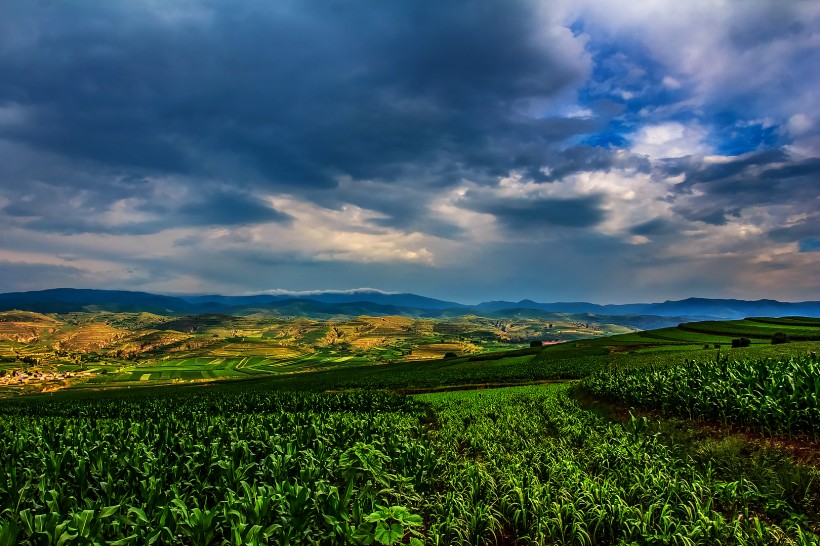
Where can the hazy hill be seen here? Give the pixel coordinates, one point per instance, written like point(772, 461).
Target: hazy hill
point(331, 297)
point(372, 302)
point(68, 300)
point(573, 307)
point(734, 309)
point(691, 308)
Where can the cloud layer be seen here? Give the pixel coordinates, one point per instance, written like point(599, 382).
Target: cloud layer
point(471, 150)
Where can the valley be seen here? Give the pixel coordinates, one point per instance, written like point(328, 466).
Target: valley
point(58, 350)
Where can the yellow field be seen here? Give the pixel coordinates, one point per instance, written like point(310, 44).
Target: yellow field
point(89, 337)
point(257, 349)
point(435, 350)
point(25, 327)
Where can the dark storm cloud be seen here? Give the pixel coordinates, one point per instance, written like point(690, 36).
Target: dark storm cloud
point(292, 94)
point(808, 229)
point(539, 213)
point(761, 179)
point(228, 208)
point(806, 171)
point(658, 226)
point(249, 265)
point(58, 209)
point(370, 119)
point(588, 158)
point(714, 215)
point(404, 206)
point(698, 172)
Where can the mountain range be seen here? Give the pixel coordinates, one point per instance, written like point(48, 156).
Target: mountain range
point(324, 304)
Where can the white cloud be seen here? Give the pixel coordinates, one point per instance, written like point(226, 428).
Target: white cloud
point(800, 124)
point(671, 83)
point(125, 212)
point(479, 227)
point(629, 198)
point(757, 57)
point(349, 233)
point(671, 139)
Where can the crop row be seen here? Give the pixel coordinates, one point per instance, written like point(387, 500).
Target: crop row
point(751, 329)
point(524, 465)
point(771, 395)
point(530, 463)
point(227, 469)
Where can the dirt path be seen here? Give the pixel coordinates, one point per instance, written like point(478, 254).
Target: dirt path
point(480, 386)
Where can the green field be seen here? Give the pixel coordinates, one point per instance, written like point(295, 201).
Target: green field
point(326, 446)
point(770, 395)
point(102, 349)
point(248, 466)
point(798, 330)
point(335, 367)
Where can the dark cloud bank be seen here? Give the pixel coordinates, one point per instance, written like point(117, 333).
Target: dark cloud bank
point(187, 115)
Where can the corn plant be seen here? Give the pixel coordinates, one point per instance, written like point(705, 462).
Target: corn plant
point(771, 396)
point(524, 465)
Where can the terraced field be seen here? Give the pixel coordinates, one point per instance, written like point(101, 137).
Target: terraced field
point(439, 350)
point(25, 327)
point(799, 329)
point(138, 348)
point(232, 367)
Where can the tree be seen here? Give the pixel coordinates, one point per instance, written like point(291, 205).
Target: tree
point(536, 343)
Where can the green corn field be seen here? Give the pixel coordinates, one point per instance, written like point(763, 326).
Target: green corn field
point(229, 469)
point(520, 465)
point(769, 395)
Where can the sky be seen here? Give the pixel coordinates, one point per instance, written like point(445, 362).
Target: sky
point(467, 150)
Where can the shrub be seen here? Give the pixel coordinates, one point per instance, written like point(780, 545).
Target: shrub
point(536, 343)
point(779, 337)
point(450, 354)
point(741, 342)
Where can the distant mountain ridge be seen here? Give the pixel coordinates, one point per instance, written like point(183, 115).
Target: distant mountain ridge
point(68, 300)
point(373, 302)
point(347, 296)
point(690, 307)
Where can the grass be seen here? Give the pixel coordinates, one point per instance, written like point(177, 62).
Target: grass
point(801, 329)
